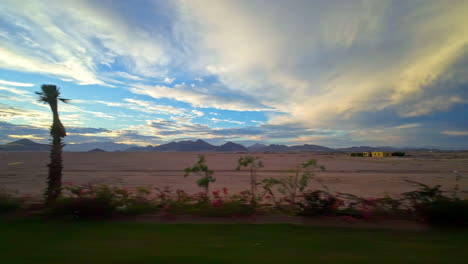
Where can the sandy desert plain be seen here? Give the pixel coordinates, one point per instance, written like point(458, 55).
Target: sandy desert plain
point(26, 172)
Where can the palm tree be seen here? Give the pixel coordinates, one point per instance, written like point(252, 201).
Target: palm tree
point(51, 94)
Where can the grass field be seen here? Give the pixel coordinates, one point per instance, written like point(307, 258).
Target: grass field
point(33, 241)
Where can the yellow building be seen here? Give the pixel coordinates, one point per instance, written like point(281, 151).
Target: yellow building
point(380, 154)
point(376, 154)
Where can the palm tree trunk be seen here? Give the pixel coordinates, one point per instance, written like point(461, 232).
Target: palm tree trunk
point(54, 180)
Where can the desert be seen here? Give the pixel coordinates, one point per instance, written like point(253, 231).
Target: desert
point(26, 172)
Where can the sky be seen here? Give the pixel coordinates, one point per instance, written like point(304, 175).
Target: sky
point(333, 73)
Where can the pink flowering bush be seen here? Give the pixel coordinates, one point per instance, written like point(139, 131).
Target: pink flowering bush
point(101, 201)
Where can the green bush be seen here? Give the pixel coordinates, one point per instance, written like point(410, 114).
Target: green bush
point(138, 206)
point(8, 203)
point(82, 208)
point(319, 203)
point(444, 212)
point(398, 154)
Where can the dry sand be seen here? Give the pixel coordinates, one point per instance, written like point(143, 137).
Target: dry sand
point(26, 171)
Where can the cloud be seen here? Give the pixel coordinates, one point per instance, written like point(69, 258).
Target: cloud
point(13, 90)
point(151, 107)
point(168, 80)
point(428, 106)
point(128, 76)
point(353, 71)
point(319, 60)
point(201, 97)
point(217, 120)
point(197, 113)
point(86, 130)
point(75, 134)
point(16, 83)
point(455, 133)
point(26, 136)
point(81, 40)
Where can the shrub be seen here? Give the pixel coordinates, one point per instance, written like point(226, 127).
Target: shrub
point(444, 212)
point(424, 194)
point(8, 203)
point(82, 208)
point(138, 206)
point(220, 204)
point(201, 169)
point(102, 201)
point(398, 154)
point(253, 163)
point(319, 203)
point(294, 185)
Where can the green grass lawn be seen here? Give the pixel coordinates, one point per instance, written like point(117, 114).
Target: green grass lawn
point(34, 241)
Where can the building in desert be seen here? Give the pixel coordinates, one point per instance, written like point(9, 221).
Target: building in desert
point(374, 154)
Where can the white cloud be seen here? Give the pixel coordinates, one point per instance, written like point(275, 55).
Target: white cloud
point(168, 80)
point(78, 40)
point(454, 133)
point(201, 98)
point(198, 113)
point(427, 106)
point(128, 76)
point(150, 107)
point(319, 60)
point(25, 136)
point(407, 126)
point(13, 90)
point(217, 120)
point(20, 84)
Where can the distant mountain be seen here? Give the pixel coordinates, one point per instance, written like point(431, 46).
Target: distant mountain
point(307, 147)
point(257, 147)
point(24, 145)
point(107, 146)
point(231, 146)
point(148, 148)
point(187, 145)
point(195, 146)
point(97, 150)
point(276, 148)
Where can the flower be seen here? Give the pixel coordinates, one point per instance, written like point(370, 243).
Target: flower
point(225, 190)
point(215, 193)
point(217, 203)
point(84, 191)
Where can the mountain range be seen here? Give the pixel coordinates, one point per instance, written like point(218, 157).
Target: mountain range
point(24, 145)
point(190, 146)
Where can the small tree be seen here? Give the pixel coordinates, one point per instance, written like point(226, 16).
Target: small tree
point(253, 163)
point(200, 168)
point(296, 183)
point(50, 94)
